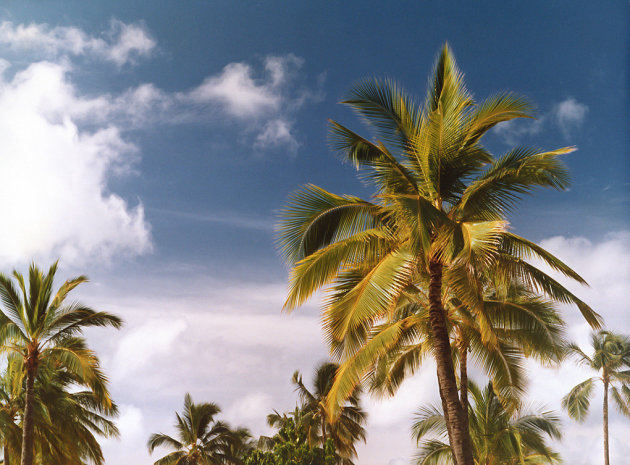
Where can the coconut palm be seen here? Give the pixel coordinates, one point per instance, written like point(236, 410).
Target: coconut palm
point(611, 359)
point(498, 436)
point(438, 215)
point(201, 440)
point(346, 428)
point(39, 325)
point(522, 324)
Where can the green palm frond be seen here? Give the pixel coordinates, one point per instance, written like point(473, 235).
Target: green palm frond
point(384, 106)
point(578, 400)
point(315, 218)
point(518, 172)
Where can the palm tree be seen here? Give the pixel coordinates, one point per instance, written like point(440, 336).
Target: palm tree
point(522, 325)
point(611, 359)
point(498, 436)
point(346, 428)
point(439, 213)
point(66, 418)
point(201, 439)
point(38, 325)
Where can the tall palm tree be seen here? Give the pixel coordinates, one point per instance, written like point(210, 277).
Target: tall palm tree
point(39, 325)
point(439, 212)
point(611, 359)
point(499, 437)
point(201, 439)
point(346, 428)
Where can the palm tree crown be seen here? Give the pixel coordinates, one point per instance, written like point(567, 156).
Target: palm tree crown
point(201, 440)
point(437, 219)
point(39, 326)
point(344, 430)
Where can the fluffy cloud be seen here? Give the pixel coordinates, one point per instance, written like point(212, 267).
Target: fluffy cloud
point(569, 115)
point(121, 44)
point(54, 175)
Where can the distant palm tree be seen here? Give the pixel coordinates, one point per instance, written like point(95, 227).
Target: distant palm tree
point(498, 436)
point(68, 418)
point(38, 325)
point(346, 428)
point(611, 358)
point(440, 206)
point(201, 440)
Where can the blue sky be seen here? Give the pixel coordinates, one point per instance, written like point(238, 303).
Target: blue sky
point(151, 144)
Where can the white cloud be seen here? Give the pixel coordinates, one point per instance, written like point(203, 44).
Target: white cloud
point(251, 410)
point(56, 175)
point(569, 115)
point(237, 91)
point(277, 133)
point(133, 432)
point(140, 347)
point(121, 44)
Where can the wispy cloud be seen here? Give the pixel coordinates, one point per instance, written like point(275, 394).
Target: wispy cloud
point(228, 218)
point(121, 44)
point(568, 116)
point(512, 132)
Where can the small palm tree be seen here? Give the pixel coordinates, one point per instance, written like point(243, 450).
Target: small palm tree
point(498, 436)
point(38, 325)
point(346, 428)
point(611, 359)
point(201, 439)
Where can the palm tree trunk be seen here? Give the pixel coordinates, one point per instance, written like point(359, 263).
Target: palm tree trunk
point(606, 451)
point(447, 420)
point(460, 444)
point(463, 379)
point(27, 423)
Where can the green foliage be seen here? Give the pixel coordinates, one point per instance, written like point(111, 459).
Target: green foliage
point(201, 439)
point(498, 436)
point(289, 446)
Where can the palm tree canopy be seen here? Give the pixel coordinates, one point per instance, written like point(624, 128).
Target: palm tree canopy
point(201, 440)
point(33, 317)
point(499, 437)
point(440, 198)
point(345, 429)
